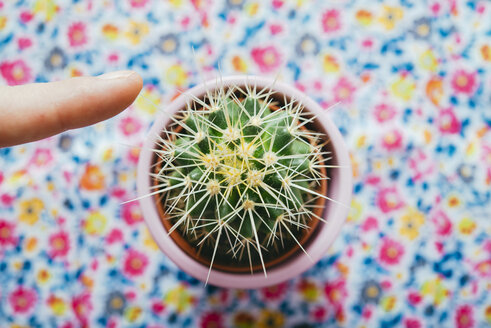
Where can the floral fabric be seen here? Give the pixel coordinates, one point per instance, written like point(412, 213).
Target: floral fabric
point(412, 88)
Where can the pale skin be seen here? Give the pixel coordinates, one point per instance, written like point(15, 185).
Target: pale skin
point(35, 111)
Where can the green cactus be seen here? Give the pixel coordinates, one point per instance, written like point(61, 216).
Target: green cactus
point(239, 170)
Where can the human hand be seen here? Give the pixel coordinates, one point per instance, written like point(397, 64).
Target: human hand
point(35, 111)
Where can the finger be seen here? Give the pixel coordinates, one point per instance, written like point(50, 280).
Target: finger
point(35, 111)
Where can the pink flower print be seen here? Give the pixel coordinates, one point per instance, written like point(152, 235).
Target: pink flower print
point(267, 58)
point(131, 213)
point(448, 122)
point(138, 3)
point(384, 112)
point(59, 244)
point(464, 82)
point(77, 34)
point(421, 165)
point(343, 90)
point(464, 317)
point(41, 157)
point(15, 72)
point(443, 225)
point(336, 292)
point(82, 306)
point(135, 263)
point(24, 43)
point(22, 299)
point(129, 126)
point(390, 252)
point(392, 140)
point(331, 21)
point(388, 200)
point(7, 234)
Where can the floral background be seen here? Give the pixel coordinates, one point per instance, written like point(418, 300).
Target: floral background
point(413, 86)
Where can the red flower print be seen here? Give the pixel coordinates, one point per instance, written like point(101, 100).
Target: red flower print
point(392, 140)
point(129, 126)
point(442, 223)
point(331, 21)
point(319, 314)
point(267, 58)
point(414, 298)
point(336, 291)
point(135, 263)
point(7, 236)
point(464, 82)
point(82, 306)
point(464, 317)
point(59, 244)
point(448, 122)
point(343, 91)
point(77, 34)
point(369, 224)
point(275, 293)
point(384, 112)
point(131, 213)
point(15, 72)
point(412, 323)
point(388, 200)
point(391, 251)
point(212, 320)
point(22, 300)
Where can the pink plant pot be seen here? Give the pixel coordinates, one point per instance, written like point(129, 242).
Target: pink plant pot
point(335, 213)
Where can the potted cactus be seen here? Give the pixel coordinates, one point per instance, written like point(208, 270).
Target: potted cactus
point(244, 182)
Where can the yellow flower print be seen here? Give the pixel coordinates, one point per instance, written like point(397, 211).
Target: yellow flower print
point(428, 61)
point(388, 303)
point(364, 17)
point(435, 289)
point(136, 32)
point(176, 75)
point(96, 223)
point(47, 7)
point(57, 305)
point(252, 8)
point(270, 319)
point(486, 52)
point(43, 276)
point(3, 22)
point(411, 221)
point(467, 226)
point(391, 16)
point(330, 64)
point(133, 313)
point(148, 241)
point(403, 88)
point(453, 201)
point(239, 64)
point(30, 210)
point(110, 31)
point(180, 298)
point(148, 101)
point(356, 211)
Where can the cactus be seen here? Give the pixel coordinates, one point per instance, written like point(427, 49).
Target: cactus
point(239, 171)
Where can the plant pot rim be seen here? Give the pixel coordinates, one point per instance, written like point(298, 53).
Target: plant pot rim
point(340, 189)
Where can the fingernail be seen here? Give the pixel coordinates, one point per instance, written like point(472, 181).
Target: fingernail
point(116, 75)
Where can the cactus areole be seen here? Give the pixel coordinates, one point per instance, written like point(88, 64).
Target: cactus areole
point(239, 177)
